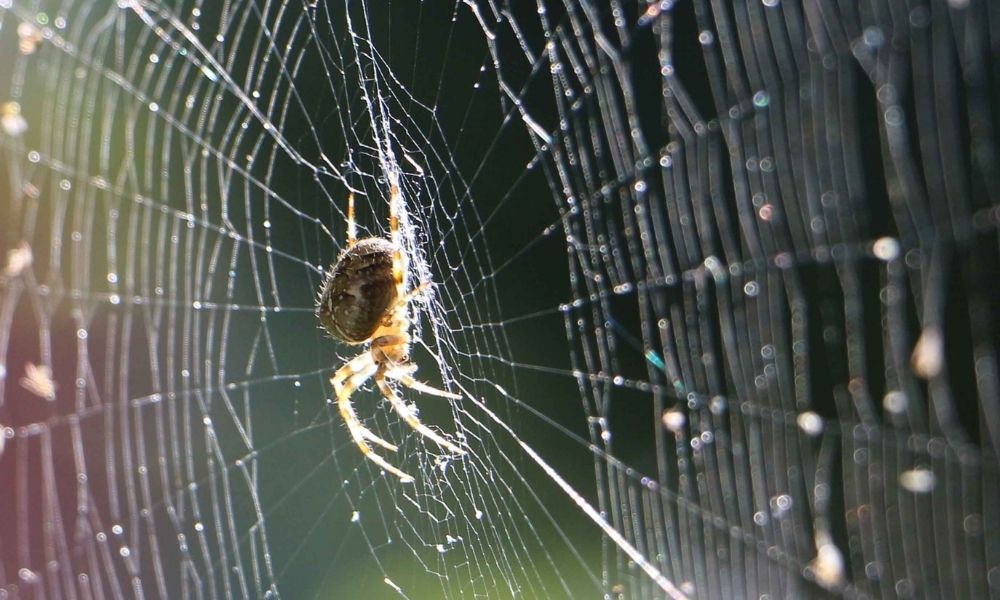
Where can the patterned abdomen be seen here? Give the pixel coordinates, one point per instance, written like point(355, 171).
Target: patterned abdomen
point(358, 291)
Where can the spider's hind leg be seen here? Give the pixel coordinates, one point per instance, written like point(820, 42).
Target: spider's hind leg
point(406, 298)
point(352, 228)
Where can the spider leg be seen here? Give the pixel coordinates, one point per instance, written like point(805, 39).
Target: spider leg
point(407, 415)
point(345, 381)
point(352, 230)
point(408, 296)
point(399, 262)
point(403, 375)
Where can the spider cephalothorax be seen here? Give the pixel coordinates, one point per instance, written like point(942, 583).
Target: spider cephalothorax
point(364, 300)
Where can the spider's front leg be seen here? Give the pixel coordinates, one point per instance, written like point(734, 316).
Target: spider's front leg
point(392, 350)
point(403, 374)
point(391, 353)
point(406, 413)
point(345, 381)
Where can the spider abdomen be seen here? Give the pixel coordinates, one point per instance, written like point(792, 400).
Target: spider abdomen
point(358, 292)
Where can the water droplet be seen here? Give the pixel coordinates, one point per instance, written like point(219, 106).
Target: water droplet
point(674, 420)
point(918, 481)
point(810, 422)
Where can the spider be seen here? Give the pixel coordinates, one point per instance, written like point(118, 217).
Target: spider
point(363, 300)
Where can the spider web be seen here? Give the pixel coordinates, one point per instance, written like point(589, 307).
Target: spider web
point(717, 282)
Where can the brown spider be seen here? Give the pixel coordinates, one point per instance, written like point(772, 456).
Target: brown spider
point(363, 300)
